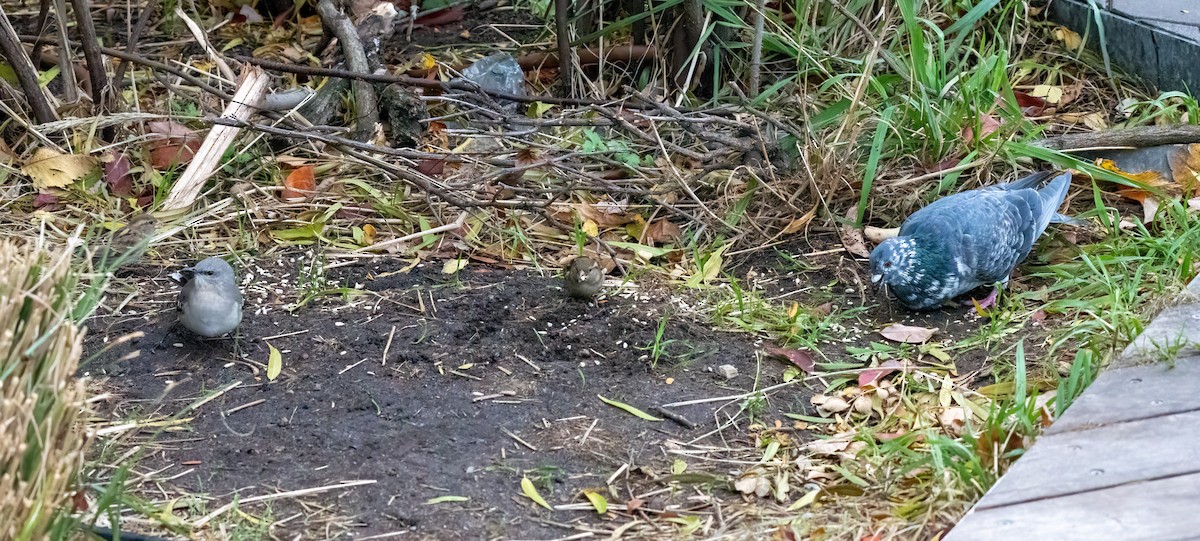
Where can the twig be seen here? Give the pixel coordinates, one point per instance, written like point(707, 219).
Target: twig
point(562, 30)
point(756, 47)
point(388, 347)
point(366, 109)
point(518, 438)
point(136, 35)
point(244, 406)
point(91, 54)
point(679, 419)
point(269, 497)
point(10, 45)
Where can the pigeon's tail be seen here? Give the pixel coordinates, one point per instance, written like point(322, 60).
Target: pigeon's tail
point(1033, 181)
point(1052, 196)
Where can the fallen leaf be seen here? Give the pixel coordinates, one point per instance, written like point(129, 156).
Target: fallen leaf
point(1069, 38)
point(432, 167)
point(852, 239)
point(634, 504)
point(531, 492)
point(799, 357)
point(117, 175)
point(907, 334)
point(46, 201)
point(49, 168)
point(442, 17)
point(987, 126)
point(274, 363)
point(299, 184)
point(452, 266)
point(1030, 105)
point(177, 144)
point(630, 409)
point(872, 375)
point(597, 500)
point(606, 214)
point(805, 500)
point(1185, 168)
point(662, 231)
point(827, 447)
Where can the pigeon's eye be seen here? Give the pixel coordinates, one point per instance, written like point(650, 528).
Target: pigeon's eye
point(887, 264)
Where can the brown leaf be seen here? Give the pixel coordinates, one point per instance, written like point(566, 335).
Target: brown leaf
point(168, 155)
point(907, 333)
point(799, 357)
point(606, 214)
point(987, 125)
point(1185, 168)
point(431, 167)
point(634, 504)
point(852, 239)
point(442, 17)
point(662, 231)
point(299, 184)
point(46, 201)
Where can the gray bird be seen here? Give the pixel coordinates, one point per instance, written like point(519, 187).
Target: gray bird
point(210, 303)
point(967, 240)
point(583, 278)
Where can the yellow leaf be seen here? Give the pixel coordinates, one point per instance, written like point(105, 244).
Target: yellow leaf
point(428, 61)
point(49, 168)
point(632, 410)
point(598, 501)
point(678, 467)
point(452, 266)
point(274, 363)
point(368, 234)
point(1069, 38)
point(590, 228)
point(531, 492)
point(805, 500)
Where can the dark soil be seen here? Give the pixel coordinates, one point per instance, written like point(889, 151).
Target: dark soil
point(421, 424)
point(338, 412)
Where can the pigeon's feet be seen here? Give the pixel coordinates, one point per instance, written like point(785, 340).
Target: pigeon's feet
point(988, 301)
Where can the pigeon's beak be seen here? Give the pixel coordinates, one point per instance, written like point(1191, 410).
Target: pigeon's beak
point(876, 281)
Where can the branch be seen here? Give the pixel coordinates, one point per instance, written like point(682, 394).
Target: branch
point(366, 109)
point(1137, 137)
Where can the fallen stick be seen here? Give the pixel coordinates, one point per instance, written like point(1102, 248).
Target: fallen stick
point(1136, 137)
point(252, 86)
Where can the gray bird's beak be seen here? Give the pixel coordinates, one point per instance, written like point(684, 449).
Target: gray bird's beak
point(876, 281)
point(183, 276)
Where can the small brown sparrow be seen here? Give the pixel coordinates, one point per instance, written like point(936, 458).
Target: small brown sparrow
point(583, 278)
point(127, 244)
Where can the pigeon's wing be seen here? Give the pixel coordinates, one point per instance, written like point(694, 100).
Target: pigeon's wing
point(985, 233)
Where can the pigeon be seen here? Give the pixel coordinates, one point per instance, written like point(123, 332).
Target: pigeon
point(968, 240)
point(583, 278)
point(210, 303)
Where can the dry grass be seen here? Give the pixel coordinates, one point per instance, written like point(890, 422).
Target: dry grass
point(42, 445)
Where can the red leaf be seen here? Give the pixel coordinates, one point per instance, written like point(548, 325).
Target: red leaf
point(172, 154)
point(799, 357)
point(299, 184)
point(987, 125)
point(872, 375)
point(1029, 105)
point(46, 201)
point(441, 17)
point(118, 177)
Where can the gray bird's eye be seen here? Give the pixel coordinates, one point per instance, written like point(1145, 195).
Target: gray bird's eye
point(887, 264)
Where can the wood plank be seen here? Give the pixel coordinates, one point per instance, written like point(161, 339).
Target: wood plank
point(1137, 392)
point(1175, 332)
point(1161, 510)
point(1098, 458)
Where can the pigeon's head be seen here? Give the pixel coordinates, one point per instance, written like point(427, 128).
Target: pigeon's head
point(213, 270)
point(892, 261)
